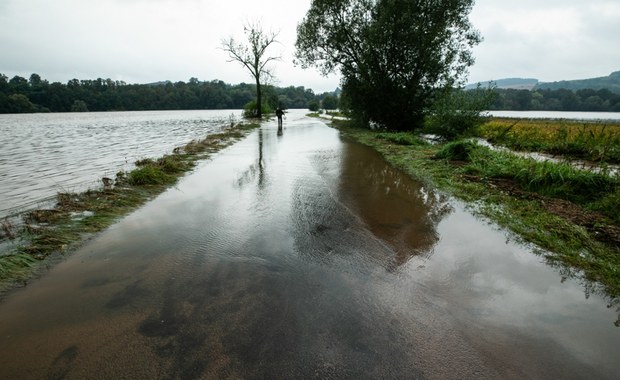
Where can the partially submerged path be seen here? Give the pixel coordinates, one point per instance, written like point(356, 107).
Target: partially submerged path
point(304, 256)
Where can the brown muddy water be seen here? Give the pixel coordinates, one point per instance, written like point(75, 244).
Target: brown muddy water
point(304, 256)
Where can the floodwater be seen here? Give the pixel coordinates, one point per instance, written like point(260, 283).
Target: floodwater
point(303, 255)
point(46, 153)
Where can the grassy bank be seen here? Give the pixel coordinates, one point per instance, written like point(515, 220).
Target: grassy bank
point(571, 215)
point(43, 236)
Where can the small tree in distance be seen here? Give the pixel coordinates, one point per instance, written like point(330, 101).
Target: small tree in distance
point(313, 105)
point(457, 113)
point(253, 56)
point(330, 102)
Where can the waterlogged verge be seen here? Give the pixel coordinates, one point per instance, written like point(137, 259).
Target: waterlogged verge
point(569, 214)
point(40, 237)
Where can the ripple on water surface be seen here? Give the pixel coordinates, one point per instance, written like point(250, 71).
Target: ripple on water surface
point(44, 154)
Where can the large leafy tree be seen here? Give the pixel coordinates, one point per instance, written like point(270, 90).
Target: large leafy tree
point(253, 56)
point(395, 56)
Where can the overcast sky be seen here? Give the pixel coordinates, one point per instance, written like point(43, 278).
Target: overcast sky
point(143, 41)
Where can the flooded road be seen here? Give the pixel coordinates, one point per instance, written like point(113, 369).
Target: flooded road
point(304, 256)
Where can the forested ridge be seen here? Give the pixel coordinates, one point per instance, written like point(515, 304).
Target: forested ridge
point(601, 94)
point(556, 100)
point(19, 95)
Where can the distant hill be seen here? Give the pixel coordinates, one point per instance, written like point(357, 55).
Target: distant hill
point(611, 83)
point(514, 83)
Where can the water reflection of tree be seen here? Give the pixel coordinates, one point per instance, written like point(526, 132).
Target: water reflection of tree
point(356, 191)
point(590, 287)
point(256, 169)
point(395, 208)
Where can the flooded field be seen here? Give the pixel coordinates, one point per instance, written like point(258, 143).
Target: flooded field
point(303, 255)
point(44, 154)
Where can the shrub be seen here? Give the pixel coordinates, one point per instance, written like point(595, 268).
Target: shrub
point(249, 110)
point(313, 105)
point(458, 113)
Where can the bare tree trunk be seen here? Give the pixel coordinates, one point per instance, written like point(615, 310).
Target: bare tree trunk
point(259, 99)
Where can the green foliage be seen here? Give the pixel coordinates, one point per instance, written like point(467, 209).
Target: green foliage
point(393, 55)
point(458, 113)
point(313, 105)
point(19, 103)
point(79, 106)
point(249, 110)
point(330, 102)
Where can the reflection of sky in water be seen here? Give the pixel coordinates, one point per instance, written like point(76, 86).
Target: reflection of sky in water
point(497, 284)
point(43, 154)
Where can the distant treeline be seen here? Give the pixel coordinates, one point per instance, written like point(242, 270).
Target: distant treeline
point(556, 100)
point(19, 95)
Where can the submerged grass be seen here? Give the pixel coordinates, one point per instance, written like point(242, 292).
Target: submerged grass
point(49, 232)
point(570, 214)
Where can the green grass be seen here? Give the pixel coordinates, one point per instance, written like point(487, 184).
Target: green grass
point(594, 191)
point(58, 230)
point(469, 171)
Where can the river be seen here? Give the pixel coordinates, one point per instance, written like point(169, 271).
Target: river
point(304, 255)
point(43, 154)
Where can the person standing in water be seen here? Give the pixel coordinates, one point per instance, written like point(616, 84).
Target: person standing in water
point(279, 114)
